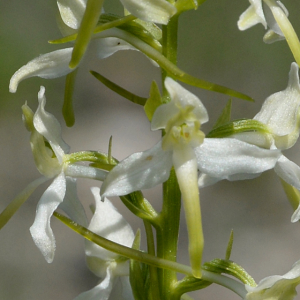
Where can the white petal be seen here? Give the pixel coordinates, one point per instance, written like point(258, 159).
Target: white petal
point(72, 11)
point(108, 46)
point(80, 171)
point(71, 204)
point(50, 65)
point(48, 126)
point(140, 170)
point(157, 11)
point(252, 16)
point(41, 231)
point(280, 110)
point(288, 171)
point(100, 291)
point(276, 287)
point(222, 158)
point(110, 224)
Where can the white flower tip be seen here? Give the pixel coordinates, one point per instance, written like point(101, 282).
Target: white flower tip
point(296, 215)
point(45, 244)
point(13, 85)
point(41, 93)
point(294, 77)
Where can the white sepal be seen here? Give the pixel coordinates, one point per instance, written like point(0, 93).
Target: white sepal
point(157, 11)
point(280, 110)
point(222, 158)
point(276, 287)
point(50, 65)
point(252, 16)
point(48, 126)
point(138, 171)
point(72, 11)
point(40, 230)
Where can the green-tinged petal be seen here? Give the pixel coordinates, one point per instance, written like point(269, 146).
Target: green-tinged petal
point(157, 11)
point(17, 202)
point(290, 173)
point(153, 102)
point(67, 110)
point(48, 126)
point(72, 11)
point(252, 16)
point(225, 115)
point(280, 111)
point(185, 165)
point(119, 90)
point(223, 158)
point(293, 196)
point(139, 171)
point(88, 24)
point(276, 287)
point(71, 204)
point(40, 230)
point(50, 65)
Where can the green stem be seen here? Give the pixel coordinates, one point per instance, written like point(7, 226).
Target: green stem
point(154, 286)
point(167, 233)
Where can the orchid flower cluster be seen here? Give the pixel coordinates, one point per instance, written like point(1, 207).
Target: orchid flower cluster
point(184, 161)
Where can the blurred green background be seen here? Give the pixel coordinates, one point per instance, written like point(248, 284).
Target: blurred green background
point(210, 47)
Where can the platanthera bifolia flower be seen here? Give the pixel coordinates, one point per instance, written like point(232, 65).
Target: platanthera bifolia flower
point(259, 12)
point(280, 113)
point(56, 64)
point(50, 156)
point(184, 147)
point(113, 268)
point(276, 287)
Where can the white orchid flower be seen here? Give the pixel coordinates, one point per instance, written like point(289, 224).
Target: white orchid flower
point(185, 148)
point(260, 12)
point(276, 287)
point(280, 113)
point(272, 14)
point(114, 269)
point(56, 64)
point(50, 155)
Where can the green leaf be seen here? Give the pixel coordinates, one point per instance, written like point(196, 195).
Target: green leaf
point(238, 126)
point(229, 246)
point(153, 102)
point(119, 90)
point(87, 27)
point(67, 110)
point(225, 115)
point(231, 268)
